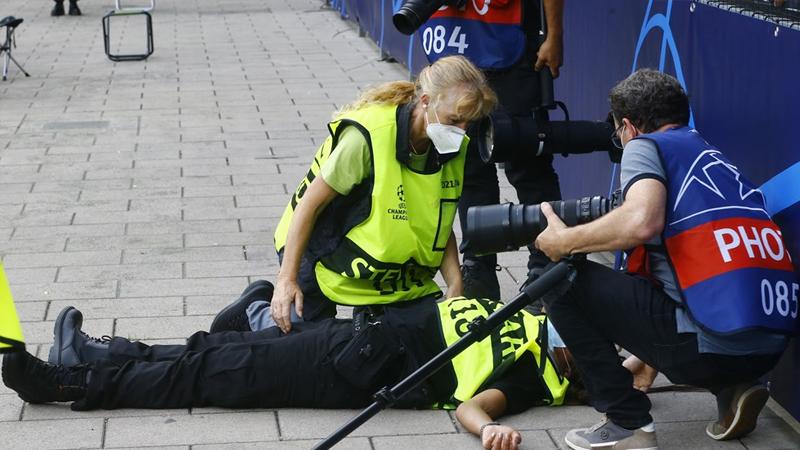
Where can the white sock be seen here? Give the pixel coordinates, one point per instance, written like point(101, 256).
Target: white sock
point(649, 428)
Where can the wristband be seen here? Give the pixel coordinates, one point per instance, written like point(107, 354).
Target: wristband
point(480, 433)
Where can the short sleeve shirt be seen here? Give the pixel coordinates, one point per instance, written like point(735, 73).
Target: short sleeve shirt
point(350, 163)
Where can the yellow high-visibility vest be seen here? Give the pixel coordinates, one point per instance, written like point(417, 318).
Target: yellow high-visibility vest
point(394, 253)
point(488, 359)
point(10, 330)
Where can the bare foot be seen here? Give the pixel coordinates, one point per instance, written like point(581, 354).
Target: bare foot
point(643, 375)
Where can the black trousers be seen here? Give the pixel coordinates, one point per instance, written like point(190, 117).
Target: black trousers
point(604, 307)
point(533, 177)
point(261, 369)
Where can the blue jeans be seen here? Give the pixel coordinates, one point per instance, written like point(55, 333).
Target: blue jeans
point(259, 314)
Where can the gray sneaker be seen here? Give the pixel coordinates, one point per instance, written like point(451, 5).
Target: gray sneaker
point(608, 435)
point(738, 408)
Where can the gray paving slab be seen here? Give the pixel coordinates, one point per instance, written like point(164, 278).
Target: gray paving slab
point(346, 444)
point(190, 429)
point(10, 408)
point(531, 440)
point(60, 411)
point(32, 311)
point(146, 194)
point(115, 308)
point(305, 423)
point(55, 434)
point(155, 270)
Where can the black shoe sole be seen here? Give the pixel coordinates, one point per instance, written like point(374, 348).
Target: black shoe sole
point(57, 349)
point(748, 408)
point(218, 324)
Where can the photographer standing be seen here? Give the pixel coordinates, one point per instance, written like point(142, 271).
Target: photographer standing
point(712, 295)
point(501, 38)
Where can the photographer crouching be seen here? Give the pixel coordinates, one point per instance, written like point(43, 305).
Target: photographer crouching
point(708, 299)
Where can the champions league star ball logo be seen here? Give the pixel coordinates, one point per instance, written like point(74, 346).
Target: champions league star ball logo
point(400, 193)
point(708, 186)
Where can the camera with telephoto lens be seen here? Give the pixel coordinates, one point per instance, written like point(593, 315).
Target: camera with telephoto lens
point(413, 13)
point(505, 227)
point(503, 137)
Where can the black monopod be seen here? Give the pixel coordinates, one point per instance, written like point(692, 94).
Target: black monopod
point(479, 329)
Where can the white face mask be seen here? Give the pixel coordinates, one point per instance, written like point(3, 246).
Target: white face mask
point(446, 138)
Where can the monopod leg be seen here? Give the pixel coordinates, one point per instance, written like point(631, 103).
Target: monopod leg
point(478, 330)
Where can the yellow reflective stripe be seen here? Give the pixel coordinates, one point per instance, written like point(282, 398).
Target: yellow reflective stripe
point(10, 330)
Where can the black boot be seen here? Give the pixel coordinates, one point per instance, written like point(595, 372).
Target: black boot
point(36, 381)
point(58, 8)
point(73, 8)
point(234, 316)
point(480, 279)
point(71, 346)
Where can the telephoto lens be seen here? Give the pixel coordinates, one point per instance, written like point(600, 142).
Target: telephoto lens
point(505, 227)
point(502, 137)
point(413, 14)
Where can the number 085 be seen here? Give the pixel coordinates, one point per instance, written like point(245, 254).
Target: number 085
point(781, 298)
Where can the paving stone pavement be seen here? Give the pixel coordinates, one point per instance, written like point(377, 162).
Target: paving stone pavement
point(146, 193)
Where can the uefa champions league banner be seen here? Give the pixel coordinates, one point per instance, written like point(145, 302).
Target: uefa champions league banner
point(743, 78)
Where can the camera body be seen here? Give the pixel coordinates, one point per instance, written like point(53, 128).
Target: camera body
point(506, 227)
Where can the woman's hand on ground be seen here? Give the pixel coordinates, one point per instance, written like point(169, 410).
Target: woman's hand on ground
point(500, 437)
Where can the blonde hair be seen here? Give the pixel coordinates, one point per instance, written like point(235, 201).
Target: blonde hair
point(475, 101)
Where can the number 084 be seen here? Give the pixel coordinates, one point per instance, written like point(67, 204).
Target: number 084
point(433, 40)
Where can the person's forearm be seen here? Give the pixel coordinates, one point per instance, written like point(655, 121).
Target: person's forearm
point(554, 15)
point(450, 267)
point(297, 237)
point(621, 229)
point(316, 199)
point(472, 417)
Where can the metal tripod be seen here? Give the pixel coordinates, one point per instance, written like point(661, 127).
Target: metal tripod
point(10, 23)
point(478, 330)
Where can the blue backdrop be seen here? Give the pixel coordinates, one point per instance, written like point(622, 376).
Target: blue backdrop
point(742, 75)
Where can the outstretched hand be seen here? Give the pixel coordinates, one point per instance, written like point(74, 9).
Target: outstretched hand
point(549, 240)
point(500, 437)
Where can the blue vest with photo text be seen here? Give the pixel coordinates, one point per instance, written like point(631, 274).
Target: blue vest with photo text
point(728, 256)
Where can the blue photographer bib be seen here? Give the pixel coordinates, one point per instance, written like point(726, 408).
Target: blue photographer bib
point(488, 33)
point(728, 256)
